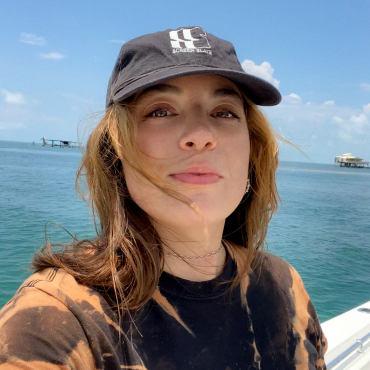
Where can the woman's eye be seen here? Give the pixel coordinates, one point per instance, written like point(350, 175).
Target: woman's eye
point(159, 113)
point(225, 114)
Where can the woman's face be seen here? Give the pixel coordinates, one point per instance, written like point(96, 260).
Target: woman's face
point(192, 134)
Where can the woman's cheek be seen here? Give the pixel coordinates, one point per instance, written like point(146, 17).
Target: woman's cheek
point(155, 144)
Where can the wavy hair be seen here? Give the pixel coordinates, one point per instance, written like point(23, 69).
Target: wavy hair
point(125, 260)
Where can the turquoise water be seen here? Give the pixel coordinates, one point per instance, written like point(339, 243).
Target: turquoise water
point(322, 227)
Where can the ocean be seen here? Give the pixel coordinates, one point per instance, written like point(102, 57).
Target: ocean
point(322, 226)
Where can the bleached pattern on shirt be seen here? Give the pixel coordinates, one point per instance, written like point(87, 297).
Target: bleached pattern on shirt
point(304, 323)
point(53, 301)
point(41, 327)
point(310, 342)
point(239, 255)
point(163, 302)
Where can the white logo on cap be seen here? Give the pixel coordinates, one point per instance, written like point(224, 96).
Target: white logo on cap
point(190, 40)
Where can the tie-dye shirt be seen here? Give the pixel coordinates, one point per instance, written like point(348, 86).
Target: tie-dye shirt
point(267, 323)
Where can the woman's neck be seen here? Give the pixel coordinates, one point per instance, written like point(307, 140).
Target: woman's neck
point(194, 244)
point(202, 269)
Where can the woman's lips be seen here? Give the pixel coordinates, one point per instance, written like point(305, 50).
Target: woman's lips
point(197, 178)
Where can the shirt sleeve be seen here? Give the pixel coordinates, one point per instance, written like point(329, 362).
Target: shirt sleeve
point(306, 324)
point(286, 326)
point(37, 331)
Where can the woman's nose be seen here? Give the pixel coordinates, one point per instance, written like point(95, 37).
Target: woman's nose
point(198, 135)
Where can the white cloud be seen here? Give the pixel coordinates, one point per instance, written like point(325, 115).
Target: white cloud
point(358, 123)
point(295, 96)
point(300, 122)
point(54, 56)
point(365, 86)
point(337, 119)
point(117, 41)
point(32, 39)
point(11, 126)
point(329, 102)
point(13, 98)
point(366, 109)
point(264, 71)
point(13, 116)
point(28, 123)
point(345, 136)
point(321, 131)
point(351, 129)
point(293, 99)
point(330, 143)
point(356, 126)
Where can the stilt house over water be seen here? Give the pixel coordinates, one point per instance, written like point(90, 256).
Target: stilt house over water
point(348, 160)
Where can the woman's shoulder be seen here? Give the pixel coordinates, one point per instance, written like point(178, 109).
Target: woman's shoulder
point(55, 284)
point(54, 289)
point(275, 277)
point(275, 270)
point(278, 290)
point(38, 318)
point(281, 310)
point(267, 269)
point(53, 317)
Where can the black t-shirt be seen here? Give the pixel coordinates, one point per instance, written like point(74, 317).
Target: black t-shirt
point(267, 322)
point(194, 325)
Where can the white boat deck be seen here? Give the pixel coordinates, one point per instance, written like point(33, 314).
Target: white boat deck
point(349, 340)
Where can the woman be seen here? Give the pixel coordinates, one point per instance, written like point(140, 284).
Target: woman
point(181, 172)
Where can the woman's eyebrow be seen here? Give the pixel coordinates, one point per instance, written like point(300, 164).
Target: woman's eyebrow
point(221, 93)
point(161, 88)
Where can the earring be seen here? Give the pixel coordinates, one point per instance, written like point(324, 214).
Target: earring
point(248, 187)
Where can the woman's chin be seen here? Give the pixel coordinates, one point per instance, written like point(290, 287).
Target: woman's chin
point(197, 214)
point(202, 209)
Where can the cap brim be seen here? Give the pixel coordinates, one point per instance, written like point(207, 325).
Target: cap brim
point(257, 90)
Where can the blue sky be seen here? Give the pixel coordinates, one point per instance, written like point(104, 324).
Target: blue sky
point(56, 58)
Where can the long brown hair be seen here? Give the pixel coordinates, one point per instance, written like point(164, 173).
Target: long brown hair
point(126, 259)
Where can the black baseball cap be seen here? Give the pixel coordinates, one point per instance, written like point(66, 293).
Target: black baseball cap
point(154, 58)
